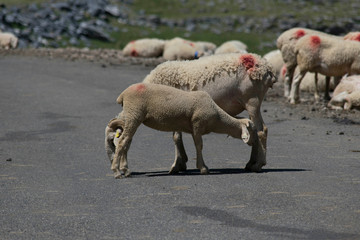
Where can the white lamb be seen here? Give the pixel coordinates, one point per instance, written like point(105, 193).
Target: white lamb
point(236, 82)
point(233, 46)
point(166, 108)
point(326, 55)
point(181, 49)
point(8, 40)
point(146, 47)
point(346, 94)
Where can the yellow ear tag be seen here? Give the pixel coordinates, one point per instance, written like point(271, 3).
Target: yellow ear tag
point(117, 134)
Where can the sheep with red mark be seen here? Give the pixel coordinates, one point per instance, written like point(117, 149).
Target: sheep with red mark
point(326, 55)
point(353, 36)
point(236, 82)
point(286, 44)
point(181, 49)
point(165, 108)
point(146, 47)
point(233, 46)
point(8, 40)
point(346, 94)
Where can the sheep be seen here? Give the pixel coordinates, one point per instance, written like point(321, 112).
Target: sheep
point(354, 36)
point(326, 55)
point(8, 40)
point(146, 47)
point(236, 82)
point(233, 46)
point(165, 108)
point(346, 94)
point(181, 49)
point(275, 59)
point(208, 48)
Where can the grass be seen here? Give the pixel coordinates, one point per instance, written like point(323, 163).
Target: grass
point(183, 9)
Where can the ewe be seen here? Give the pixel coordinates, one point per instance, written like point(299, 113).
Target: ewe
point(329, 56)
point(236, 82)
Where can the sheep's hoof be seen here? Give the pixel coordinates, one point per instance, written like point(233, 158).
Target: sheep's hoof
point(127, 173)
point(117, 175)
point(204, 170)
point(251, 167)
point(176, 168)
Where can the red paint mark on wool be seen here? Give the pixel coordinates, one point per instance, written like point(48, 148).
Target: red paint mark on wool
point(248, 61)
point(357, 37)
point(132, 42)
point(315, 41)
point(299, 33)
point(139, 87)
point(134, 53)
point(283, 71)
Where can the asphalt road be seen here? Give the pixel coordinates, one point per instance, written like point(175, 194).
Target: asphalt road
point(56, 181)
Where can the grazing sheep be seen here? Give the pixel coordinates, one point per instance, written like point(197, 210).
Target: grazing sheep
point(275, 59)
point(326, 55)
point(233, 46)
point(346, 94)
point(181, 49)
point(236, 82)
point(166, 108)
point(354, 36)
point(146, 47)
point(8, 40)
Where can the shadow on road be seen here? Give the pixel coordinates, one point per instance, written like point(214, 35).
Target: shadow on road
point(214, 171)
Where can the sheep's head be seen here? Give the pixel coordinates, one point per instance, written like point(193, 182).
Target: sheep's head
point(258, 69)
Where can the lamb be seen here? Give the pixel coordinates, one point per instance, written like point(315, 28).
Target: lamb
point(233, 46)
point(166, 108)
point(146, 47)
point(236, 82)
point(8, 40)
point(275, 59)
point(181, 49)
point(326, 55)
point(346, 94)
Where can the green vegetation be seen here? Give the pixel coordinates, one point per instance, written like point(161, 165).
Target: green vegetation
point(259, 11)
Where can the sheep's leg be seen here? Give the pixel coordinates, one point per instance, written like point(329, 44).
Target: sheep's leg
point(327, 88)
point(288, 80)
point(180, 154)
point(123, 161)
point(295, 88)
point(258, 138)
point(199, 158)
point(316, 94)
point(120, 157)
